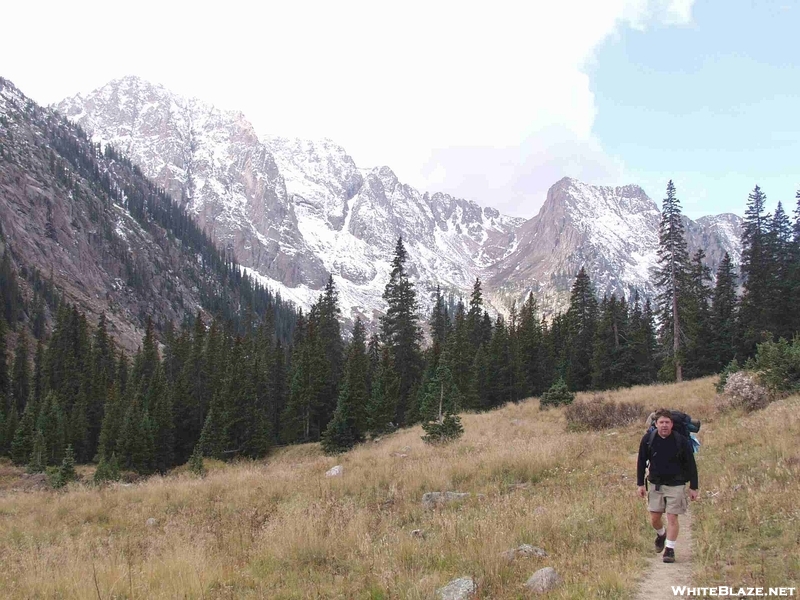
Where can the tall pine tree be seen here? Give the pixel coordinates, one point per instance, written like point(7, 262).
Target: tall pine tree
point(401, 333)
point(756, 274)
point(671, 279)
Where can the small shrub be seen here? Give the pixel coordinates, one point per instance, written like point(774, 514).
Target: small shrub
point(448, 430)
point(730, 368)
point(742, 390)
point(778, 365)
point(557, 395)
point(62, 475)
point(600, 413)
point(107, 470)
point(196, 465)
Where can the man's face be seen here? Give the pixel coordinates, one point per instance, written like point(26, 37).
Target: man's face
point(664, 426)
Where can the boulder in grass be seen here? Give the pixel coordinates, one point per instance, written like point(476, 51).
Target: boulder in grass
point(543, 581)
point(524, 551)
point(458, 589)
point(335, 471)
point(434, 499)
point(151, 522)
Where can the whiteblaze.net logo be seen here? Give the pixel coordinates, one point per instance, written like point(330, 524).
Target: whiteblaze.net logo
point(732, 591)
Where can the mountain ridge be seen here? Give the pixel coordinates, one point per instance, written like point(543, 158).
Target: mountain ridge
point(317, 212)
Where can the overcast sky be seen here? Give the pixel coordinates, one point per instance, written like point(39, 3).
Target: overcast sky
point(493, 102)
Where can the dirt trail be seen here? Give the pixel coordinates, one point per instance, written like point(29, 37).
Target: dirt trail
point(660, 576)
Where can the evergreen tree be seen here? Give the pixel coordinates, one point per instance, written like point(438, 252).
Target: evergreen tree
point(8, 430)
point(781, 317)
point(78, 427)
point(212, 438)
point(196, 465)
point(300, 418)
point(277, 387)
point(51, 422)
point(401, 333)
point(98, 381)
point(439, 407)
point(642, 343)
point(24, 435)
point(135, 443)
point(162, 422)
point(112, 423)
point(755, 273)
point(501, 389)
point(5, 387)
point(107, 469)
point(38, 459)
point(21, 378)
point(38, 374)
point(460, 354)
point(697, 319)
point(581, 321)
point(606, 343)
point(530, 348)
point(439, 322)
point(349, 421)
point(327, 316)
point(190, 393)
point(66, 471)
point(475, 329)
point(382, 406)
point(516, 371)
point(671, 276)
point(478, 397)
point(723, 315)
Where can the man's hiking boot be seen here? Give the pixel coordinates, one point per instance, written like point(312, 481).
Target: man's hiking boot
point(660, 539)
point(669, 555)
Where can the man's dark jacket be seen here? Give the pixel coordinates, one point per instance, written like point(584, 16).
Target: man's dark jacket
point(668, 466)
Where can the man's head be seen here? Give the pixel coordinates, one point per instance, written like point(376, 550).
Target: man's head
point(664, 422)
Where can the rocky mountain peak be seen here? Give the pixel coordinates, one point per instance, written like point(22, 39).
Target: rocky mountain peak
point(295, 210)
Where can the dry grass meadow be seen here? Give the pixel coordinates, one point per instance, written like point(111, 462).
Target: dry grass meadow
point(281, 529)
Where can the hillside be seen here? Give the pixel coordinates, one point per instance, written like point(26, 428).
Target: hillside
point(86, 220)
point(281, 529)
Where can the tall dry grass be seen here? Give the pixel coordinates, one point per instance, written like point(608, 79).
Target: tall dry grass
point(281, 529)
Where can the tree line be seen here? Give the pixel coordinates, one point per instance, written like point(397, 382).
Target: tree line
point(211, 389)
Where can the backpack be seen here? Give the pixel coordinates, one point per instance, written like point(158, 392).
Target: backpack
point(682, 424)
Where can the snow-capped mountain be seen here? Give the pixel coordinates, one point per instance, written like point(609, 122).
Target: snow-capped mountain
point(612, 232)
point(295, 210)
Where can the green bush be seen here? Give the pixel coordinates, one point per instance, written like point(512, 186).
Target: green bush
point(107, 470)
point(62, 475)
point(196, 465)
point(557, 395)
point(448, 430)
point(778, 365)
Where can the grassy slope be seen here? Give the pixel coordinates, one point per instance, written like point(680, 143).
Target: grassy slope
point(280, 529)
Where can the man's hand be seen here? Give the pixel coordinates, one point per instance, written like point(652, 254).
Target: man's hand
point(641, 491)
point(693, 494)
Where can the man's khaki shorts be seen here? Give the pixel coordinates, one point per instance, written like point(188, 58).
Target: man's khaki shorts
point(670, 499)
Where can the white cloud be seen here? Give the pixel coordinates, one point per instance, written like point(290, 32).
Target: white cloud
point(414, 85)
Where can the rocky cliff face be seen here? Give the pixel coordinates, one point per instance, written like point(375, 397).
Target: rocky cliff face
point(65, 212)
point(213, 163)
point(295, 210)
point(612, 231)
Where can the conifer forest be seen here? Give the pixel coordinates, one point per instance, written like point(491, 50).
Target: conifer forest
point(239, 384)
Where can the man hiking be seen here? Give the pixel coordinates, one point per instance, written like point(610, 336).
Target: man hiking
point(671, 465)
